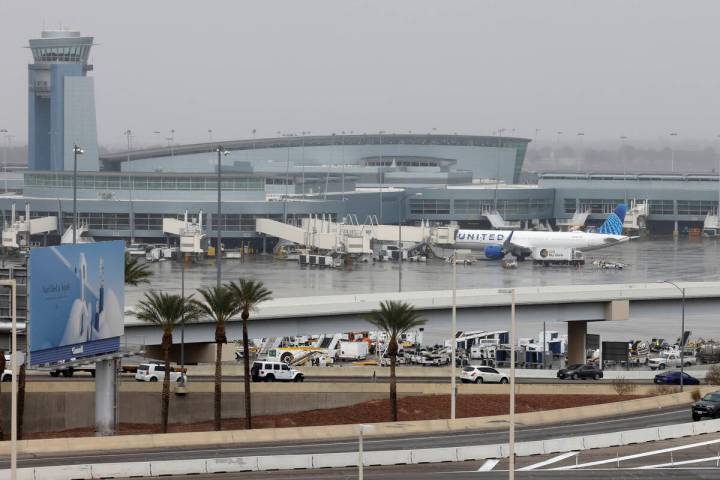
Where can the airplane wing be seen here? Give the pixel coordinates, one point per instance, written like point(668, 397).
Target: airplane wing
point(515, 247)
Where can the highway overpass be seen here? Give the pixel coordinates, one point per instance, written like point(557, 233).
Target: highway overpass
point(575, 304)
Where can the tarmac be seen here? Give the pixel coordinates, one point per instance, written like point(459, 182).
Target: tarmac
point(645, 260)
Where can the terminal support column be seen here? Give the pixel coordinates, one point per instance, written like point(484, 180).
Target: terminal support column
point(577, 330)
point(105, 397)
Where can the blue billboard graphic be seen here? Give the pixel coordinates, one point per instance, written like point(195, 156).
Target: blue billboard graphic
point(76, 301)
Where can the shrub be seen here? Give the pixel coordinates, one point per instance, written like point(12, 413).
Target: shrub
point(696, 395)
point(667, 389)
point(713, 375)
point(623, 386)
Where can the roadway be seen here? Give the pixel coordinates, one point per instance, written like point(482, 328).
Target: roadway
point(624, 422)
point(340, 379)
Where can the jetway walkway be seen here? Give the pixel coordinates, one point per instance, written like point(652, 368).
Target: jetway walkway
point(323, 234)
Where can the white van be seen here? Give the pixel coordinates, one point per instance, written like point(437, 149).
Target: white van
point(263, 371)
point(154, 372)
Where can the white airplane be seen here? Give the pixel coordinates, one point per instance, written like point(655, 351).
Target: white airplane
point(498, 243)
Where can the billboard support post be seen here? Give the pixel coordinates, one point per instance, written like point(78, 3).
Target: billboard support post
point(14, 369)
point(105, 395)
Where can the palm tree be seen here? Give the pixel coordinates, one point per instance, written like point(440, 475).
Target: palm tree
point(219, 305)
point(394, 318)
point(136, 272)
point(248, 294)
point(165, 311)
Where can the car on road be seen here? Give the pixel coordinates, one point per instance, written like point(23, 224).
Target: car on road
point(262, 371)
point(707, 406)
point(154, 372)
point(473, 374)
point(580, 371)
point(673, 378)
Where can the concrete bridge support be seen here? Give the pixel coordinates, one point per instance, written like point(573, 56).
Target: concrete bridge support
point(577, 331)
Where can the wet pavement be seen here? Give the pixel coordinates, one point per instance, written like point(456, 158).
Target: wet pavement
point(647, 260)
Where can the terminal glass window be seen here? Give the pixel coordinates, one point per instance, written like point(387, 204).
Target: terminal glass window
point(471, 207)
point(148, 221)
point(594, 205)
point(662, 207)
point(235, 222)
point(149, 182)
point(429, 206)
point(99, 220)
point(570, 205)
point(695, 207)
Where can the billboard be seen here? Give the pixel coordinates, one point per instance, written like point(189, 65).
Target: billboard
point(76, 301)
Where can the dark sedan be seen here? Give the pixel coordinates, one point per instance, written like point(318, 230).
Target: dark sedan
point(673, 378)
point(709, 406)
point(580, 371)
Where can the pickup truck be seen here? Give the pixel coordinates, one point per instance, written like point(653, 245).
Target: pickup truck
point(670, 360)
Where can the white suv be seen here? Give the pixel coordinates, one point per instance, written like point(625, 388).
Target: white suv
point(473, 374)
point(154, 372)
point(262, 371)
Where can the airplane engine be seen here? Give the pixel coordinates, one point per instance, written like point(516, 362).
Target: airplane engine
point(494, 252)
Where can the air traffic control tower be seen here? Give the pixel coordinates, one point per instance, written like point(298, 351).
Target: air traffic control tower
point(61, 103)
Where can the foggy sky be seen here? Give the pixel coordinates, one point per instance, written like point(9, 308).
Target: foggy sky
point(606, 68)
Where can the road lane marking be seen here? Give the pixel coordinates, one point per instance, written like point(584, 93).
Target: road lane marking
point(488, 465)
point(684, 462)
point(639, 455)
point(241, 447)
point(549, 461)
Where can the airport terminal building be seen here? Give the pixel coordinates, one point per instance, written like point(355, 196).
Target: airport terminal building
point(378, 177)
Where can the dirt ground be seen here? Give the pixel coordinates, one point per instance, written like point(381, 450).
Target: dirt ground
point(409, 408)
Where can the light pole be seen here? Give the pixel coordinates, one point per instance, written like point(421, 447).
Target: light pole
point(218, 242)
point(682, 333)
point(672, 151)
point(581, 156)
point(128, 134)
point(453, 341)
point(5, 156)
point(14, 377)
point(622, 160)
point(382, 177)
point(511, 443)
point(76, 151)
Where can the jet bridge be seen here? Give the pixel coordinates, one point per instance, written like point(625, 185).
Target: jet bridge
point(193, 240)
point(17, 233)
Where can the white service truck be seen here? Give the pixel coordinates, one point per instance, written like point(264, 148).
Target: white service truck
point(353, 350)
point(671, 360)
point(557, 256)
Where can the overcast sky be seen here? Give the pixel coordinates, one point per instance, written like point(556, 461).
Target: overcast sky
point(605, 68)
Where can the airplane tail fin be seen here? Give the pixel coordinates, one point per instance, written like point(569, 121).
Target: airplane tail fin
point(614, 223)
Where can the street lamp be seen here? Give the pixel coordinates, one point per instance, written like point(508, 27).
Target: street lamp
point(580, 157)
point(511, 443)
point(5, 156)
point(76, 151)
point(682, 332)
point(622, 160)
point(672, 151)
point(218, 242)
point(128, 134)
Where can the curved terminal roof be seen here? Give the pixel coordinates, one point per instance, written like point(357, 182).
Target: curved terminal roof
point(111, 162)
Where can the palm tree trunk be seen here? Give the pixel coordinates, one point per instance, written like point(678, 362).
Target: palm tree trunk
point(21, 400)
point(246, 361)
point(165, 408)
point(218, 386)
point(393, 389)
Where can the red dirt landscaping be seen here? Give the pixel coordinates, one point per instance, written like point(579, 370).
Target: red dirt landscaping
point(409, 408)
